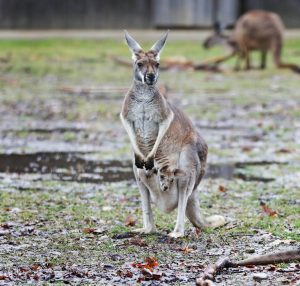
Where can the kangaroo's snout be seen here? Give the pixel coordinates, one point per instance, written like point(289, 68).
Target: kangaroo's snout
point(150, 78)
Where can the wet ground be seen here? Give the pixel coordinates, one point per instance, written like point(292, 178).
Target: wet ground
point(68, 201)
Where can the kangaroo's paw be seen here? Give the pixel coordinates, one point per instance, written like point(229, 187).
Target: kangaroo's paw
point(215, 221)
point(176, 234)
point(149, 164)
point(144, 230)
point(138, 161)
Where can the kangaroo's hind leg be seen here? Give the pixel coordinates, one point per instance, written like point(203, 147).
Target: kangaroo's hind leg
point(193, 213)
point(148, 222)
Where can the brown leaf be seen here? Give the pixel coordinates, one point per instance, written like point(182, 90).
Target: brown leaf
point(150, 263)
point(35, 267)
point(138, 241)
point(186, 250)
point(284, 150)
point(130, 220)
point(92, 230)
point(125, 274)
point(267, 210)
point(247, 148)
point(3, 277)
point(222, 189)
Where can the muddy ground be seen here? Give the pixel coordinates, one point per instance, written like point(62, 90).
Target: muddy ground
point(68, 201)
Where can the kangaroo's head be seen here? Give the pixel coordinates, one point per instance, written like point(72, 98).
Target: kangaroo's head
point(167, 176)
point(145, 64)
point(217, 38)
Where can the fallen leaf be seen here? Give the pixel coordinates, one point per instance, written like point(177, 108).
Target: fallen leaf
point(137, 241)
point(125, 274)
point(267, 210)
point(3, 277)
point(93, 230)
point(186, 250)
point(35, 267)
point(247, 148)
point(222, 189)
point(284, 150)
point(150, 263)
point(130, 220)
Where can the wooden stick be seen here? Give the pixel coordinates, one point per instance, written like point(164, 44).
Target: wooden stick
point(212, 270)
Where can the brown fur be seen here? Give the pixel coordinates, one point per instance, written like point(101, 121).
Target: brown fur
point(257, 30)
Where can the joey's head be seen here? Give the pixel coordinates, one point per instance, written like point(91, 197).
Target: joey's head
point(145, 64)
point(217, 37)
point(166, 177)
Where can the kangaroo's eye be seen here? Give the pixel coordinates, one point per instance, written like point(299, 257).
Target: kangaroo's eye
point(172, 180)
point(162, 177)
point(157, 65)
point(140, 64)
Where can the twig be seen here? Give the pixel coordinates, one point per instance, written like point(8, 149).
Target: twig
point(212, 270)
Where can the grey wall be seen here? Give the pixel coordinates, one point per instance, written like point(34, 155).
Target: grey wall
point(75, 14)
point(119, 14)
point(192, 13)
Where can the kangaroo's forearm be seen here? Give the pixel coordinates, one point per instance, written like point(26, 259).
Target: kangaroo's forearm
point(129, 129)
point(163, 128)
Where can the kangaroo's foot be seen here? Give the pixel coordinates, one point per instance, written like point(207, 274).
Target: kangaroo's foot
point(145, 230)
point(176, 234)
point(215, 221)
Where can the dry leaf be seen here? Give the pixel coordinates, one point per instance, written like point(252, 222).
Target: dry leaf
point(247, 149)
point(222, 189)
point(130, 220)
point(186, 250)
point(267, 210)
point(138, 241)
point(92, 230)
point(284, 150)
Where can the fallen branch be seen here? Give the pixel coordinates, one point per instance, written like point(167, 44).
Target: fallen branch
point(212, 270)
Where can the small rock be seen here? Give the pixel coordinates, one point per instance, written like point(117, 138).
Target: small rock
point(250, 250)
point(260, 276)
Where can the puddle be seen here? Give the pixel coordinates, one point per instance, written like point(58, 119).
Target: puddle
point(73, 166)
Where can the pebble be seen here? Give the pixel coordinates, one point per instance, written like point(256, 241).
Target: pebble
point(260, 276)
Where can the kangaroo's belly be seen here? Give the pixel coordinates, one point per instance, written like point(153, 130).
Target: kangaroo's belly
point(166, 201)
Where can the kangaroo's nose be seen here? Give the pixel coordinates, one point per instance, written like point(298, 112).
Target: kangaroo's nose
point(151, 76)
point(165, 188)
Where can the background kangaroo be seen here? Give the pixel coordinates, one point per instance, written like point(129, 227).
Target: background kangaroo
point(255, 30)
point(159, 131)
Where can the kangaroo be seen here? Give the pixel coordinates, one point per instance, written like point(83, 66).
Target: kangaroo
point(255, 30)
point(160, 132)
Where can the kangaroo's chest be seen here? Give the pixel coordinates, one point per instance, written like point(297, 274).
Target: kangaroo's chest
point(145, 118)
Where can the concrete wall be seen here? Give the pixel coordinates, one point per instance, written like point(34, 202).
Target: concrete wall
point(75, 14)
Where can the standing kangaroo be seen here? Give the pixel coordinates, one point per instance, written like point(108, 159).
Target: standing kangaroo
point(255, 30)
point(160, 132)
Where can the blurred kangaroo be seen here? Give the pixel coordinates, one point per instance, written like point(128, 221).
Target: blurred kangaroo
point(255, 30)
point(160, 133)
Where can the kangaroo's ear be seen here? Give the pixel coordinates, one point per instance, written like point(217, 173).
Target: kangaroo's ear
point(179, 173)
point(133, 45)
point(158, 46)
